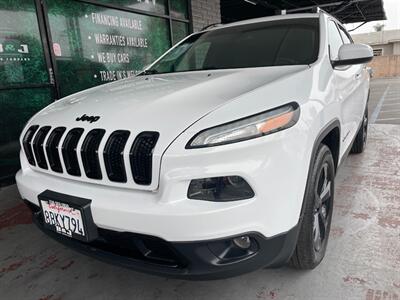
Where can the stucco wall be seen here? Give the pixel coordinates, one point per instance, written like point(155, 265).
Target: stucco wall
point(396, 48)
point(380, 37)
point(388, 40)
point(386, 66)
point(387, 49)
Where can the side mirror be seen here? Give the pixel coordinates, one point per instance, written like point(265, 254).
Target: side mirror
point(354, 54)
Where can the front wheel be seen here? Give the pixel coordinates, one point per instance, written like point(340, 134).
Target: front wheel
point(316, 222)
point(361, 138)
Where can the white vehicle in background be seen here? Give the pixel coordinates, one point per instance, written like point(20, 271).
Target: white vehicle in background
point(220, 158)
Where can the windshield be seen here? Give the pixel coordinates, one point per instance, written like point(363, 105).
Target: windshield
point(272, 43)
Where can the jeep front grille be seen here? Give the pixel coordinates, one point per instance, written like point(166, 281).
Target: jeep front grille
point(69, 152)
point(42, 147)
point(27, 144)
point(114, 155)
point(38, 148)
point(52, 149)
point(141, 157)
point(90, 155)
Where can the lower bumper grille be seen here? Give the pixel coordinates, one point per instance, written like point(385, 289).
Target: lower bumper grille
point(145, 248)
point(133, 246)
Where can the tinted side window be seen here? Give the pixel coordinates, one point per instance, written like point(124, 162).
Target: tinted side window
point(335, 40)
point(289, 50)
point(345, 36)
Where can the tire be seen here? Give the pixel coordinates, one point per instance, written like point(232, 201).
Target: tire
point(318, 206)
point(360, 141)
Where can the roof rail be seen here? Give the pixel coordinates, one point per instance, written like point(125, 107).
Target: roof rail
point(313, 9)
point(211, 26)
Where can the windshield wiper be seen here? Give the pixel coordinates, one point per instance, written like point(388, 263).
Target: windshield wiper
point(148, 72)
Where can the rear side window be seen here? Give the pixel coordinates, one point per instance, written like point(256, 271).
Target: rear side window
point(335, 40)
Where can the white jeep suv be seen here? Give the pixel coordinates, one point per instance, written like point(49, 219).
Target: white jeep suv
point(218, 159)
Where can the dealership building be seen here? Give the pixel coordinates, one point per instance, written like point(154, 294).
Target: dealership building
point(50, 49)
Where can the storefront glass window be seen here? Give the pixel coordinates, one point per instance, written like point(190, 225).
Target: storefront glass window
point(17, 106)
point(21, 51)
point(94, 44)
point(155, 6)
point(179, 9)
point(179, 31)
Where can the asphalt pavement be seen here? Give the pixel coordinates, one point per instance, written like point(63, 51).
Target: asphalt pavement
point(384, 105)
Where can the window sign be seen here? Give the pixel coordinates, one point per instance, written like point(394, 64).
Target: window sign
point(95, 45)
point(154, 6)
point(22, 64)
point(21, 51)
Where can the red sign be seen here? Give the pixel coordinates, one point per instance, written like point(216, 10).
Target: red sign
point(57, 49)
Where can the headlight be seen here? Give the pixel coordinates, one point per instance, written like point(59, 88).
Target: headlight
point(248, 128)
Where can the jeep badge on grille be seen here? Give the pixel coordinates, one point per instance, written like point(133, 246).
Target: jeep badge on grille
point(89, 119)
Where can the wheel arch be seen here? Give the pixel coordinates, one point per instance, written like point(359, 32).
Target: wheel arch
point(332, 140)
point(329, 135)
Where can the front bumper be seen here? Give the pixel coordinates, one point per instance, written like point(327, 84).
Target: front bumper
point(275, 167)
point(197, 260)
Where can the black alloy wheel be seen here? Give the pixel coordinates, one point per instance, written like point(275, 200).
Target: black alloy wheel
point(360, 142)
point(318, 208)
point(322, 207)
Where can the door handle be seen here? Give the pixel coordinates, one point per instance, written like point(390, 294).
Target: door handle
point(358, 76)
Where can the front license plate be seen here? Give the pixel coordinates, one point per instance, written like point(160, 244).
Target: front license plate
point(65, 219)
point(68, 215)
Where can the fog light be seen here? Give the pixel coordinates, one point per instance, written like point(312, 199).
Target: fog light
point(234, 249)
point(229, 188)
point(243, 242)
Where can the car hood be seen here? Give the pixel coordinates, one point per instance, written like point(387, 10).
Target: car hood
point(166, 103)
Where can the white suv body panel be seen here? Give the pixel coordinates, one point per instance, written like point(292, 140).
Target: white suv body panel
point(179, 106)
point(175, 102)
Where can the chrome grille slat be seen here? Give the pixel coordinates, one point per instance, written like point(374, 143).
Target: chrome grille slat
point(27, 144)
point(89, 153)
point(38, 146)
point(141, 157)
point(52, 147)
point(113, 155)
point(69, 151)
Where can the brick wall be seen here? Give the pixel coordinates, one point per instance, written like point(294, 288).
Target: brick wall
point(386, 66)
point(205, 12)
